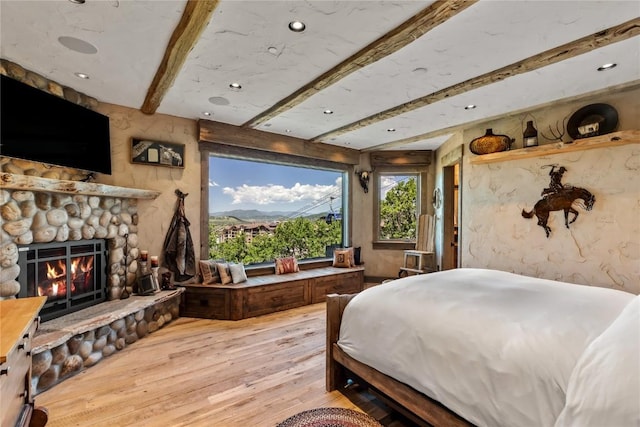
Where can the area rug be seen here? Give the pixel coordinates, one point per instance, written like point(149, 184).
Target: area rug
point(330, 417)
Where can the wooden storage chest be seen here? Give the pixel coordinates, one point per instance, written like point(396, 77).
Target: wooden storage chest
point(269, 293)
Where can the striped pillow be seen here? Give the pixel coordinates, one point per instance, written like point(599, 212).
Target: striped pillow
point(209, 271)
point(287, 265)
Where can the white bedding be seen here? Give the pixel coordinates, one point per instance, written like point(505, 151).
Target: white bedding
point(496, 348)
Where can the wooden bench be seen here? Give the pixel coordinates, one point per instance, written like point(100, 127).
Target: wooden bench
point(269, 293)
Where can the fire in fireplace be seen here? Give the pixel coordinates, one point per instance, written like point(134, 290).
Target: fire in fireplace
point(70, 274)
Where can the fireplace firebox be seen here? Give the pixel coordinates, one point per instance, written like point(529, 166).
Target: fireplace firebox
point(72, 275)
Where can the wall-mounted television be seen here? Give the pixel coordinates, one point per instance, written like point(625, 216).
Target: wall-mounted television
point(38, 126)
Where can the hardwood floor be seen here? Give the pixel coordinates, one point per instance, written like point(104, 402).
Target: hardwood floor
point(196, 372)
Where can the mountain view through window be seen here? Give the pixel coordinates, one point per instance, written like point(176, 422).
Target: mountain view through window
point(259, 211)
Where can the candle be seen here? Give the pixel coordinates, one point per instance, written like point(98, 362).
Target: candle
point(154, 261)
point(143, 255)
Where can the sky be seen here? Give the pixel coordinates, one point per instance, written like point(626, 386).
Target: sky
point(239, 184)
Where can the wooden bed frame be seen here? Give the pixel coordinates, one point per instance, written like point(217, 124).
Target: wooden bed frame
point(340, 366)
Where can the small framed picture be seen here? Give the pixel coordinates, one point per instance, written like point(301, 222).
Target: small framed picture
point(146, 284)
point(147, 152)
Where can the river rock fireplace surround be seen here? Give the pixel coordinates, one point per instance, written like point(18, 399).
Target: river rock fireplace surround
point(37, 212)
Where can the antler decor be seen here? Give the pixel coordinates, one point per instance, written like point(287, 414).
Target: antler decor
point(364, 176)
point(559, 130)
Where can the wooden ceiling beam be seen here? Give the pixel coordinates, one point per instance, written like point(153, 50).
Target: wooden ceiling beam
point(278, 145)
point(196, 16)
point(415, 27)
point(577, 47)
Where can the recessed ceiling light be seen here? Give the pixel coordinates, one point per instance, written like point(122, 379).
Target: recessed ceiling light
point(272, 50)
point(297, 26)
point(470, 107)
point(391, 130)
point(328, 111)
point(82, 75)
point(77, 1)
point(607, 66)
point(235, 85)
point(77, 45)
point(206, 113)
point(287, 130)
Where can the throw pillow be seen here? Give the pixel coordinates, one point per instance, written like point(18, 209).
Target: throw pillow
point(352, 256)
point(287, 265)
point(238, 274)
point(225, 273)
point(209, 271)
point(341, 258)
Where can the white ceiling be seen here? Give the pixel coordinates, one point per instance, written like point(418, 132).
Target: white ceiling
point(249, 42)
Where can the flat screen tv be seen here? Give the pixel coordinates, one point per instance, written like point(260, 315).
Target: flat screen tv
point(38, 126)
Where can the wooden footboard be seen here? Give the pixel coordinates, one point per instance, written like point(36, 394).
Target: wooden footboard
point(335, 307)
point(339, 362)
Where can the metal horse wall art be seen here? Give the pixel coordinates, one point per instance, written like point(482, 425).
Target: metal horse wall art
point(559, 197)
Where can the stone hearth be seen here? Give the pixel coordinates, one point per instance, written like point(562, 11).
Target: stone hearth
point(67, 345)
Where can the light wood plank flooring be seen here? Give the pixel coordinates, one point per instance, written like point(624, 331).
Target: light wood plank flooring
point(196, 372)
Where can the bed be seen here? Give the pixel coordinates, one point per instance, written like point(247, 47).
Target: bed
point(490, 348)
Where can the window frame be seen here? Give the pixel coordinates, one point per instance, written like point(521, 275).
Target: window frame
point(380, 172)
point(247, 154)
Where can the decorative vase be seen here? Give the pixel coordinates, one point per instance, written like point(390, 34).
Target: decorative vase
point(490, 143)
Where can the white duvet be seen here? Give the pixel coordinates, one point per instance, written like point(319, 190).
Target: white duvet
point(496, 348)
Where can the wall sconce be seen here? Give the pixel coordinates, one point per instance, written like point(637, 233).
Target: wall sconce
point(364, 176)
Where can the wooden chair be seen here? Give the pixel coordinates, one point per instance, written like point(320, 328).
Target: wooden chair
point(421, 259)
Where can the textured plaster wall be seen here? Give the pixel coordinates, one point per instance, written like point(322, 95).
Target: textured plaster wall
point(155, 215)
point(602, 248)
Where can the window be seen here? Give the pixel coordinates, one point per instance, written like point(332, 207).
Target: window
point(260, 210)
point(397, 206)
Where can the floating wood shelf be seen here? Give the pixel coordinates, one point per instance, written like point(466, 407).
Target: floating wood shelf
point(33, 183)
point(609, 140)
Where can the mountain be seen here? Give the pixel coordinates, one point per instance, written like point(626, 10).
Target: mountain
point(253, 215)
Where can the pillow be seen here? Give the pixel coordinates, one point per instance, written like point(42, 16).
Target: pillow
point(225, 273)
point(342, 258)
point(604, 385)
point(287, 265)
point(352, 256)
point(238, 275)
point(209, 271)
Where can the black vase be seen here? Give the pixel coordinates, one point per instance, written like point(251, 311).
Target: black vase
point(356, 255)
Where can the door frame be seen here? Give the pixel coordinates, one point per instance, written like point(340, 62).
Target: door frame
point(451, 254)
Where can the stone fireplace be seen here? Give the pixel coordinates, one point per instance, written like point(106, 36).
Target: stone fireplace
point(38, 210)
point(54, 218)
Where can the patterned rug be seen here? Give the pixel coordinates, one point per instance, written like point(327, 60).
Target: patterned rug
point(330, 417)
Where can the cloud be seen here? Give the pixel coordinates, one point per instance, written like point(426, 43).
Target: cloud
point(270, 194)
point(213, 184)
